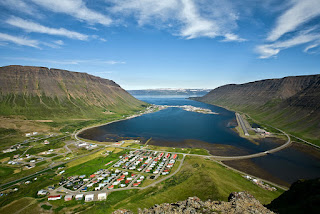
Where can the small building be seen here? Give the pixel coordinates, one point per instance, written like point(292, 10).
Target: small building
point(89, 197)
point(82, 176)
point(42, 192)
point(92, 176)
point(79, 197)
point(54, 197)
point(97, 188)
point(111, 187)
point(28, 134)
point(102, 196)
point(68, 197)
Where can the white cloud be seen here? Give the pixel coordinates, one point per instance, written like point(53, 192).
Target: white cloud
point(66, 62)
point(273, 49)
point(294, 27)
point(19, 5)
point(309, 47)
point(19, 40)
point(186, 18)
point(229, 37)
point(112, 62)
point(75, 8)
point(59, 42)
point(299, 13)
point(35, 27)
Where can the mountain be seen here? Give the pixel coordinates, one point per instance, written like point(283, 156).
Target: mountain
point(43, 93)
point(170, 92)
point(290, 103)
point(302, 197)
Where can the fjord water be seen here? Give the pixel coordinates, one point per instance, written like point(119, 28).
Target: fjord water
point(175, 125)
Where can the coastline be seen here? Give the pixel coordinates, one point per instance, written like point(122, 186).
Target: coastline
point(76, 133)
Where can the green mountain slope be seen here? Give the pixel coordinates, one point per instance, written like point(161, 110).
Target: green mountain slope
point(42, 93)
point(290, 103)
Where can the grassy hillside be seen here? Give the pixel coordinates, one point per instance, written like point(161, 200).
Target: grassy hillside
point(291, 103)
point(44, 100)
point(42, 93)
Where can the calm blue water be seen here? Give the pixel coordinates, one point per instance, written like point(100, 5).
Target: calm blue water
point(175, 125)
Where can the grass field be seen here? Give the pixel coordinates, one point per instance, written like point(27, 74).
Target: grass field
point(92, 165)
point(5, 171)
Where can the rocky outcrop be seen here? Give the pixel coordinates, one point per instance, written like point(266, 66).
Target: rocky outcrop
point(238, 202)
point(30, 91)
point(291, 103)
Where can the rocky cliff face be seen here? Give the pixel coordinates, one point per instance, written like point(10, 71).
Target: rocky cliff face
point(28, 90)
point(302, 197)
point(292, 103)
point(239, 202)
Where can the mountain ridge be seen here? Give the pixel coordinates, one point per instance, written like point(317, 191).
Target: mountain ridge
point(58, 92)
point(291, 103)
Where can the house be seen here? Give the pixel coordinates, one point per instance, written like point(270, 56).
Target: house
point(79, 197)
point(68, 197)
point(54, 197)
point(97, 189)
point(102, 196)
point(122, 185)
point(110, 187)
point(34, 133)
point(42, 192)
point(28, 134)
point(92, 176)
point(89, 197)
point(90, 185)
point(82, 176)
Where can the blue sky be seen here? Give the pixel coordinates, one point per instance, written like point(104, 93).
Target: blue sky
point(164, 44)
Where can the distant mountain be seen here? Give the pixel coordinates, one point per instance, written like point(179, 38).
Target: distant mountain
point(39, 92)
point(170, 92)
point(291, 103)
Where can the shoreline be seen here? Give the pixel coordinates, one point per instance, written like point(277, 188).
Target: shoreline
point(76, 133)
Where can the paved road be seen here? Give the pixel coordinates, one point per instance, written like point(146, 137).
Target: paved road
point(241, 123)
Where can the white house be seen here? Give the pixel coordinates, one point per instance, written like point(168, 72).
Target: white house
point(88, 198)
point(79, 197)
point(54, 197)
point(102, 196)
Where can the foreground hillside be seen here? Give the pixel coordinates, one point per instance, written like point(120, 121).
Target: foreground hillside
point(42, 93)
point(290, 103)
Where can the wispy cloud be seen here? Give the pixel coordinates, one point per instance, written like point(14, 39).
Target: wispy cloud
point(19, 40)
point(294, 27)
point(273, 49)
point(75, 8)
point(112, 62)
point(19, 5)
point(299, 13)
point(30, 26)
point(186, 18)
point(229, 37)
point(68, 61)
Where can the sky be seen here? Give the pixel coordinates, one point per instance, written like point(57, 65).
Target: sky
point(142, 44)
